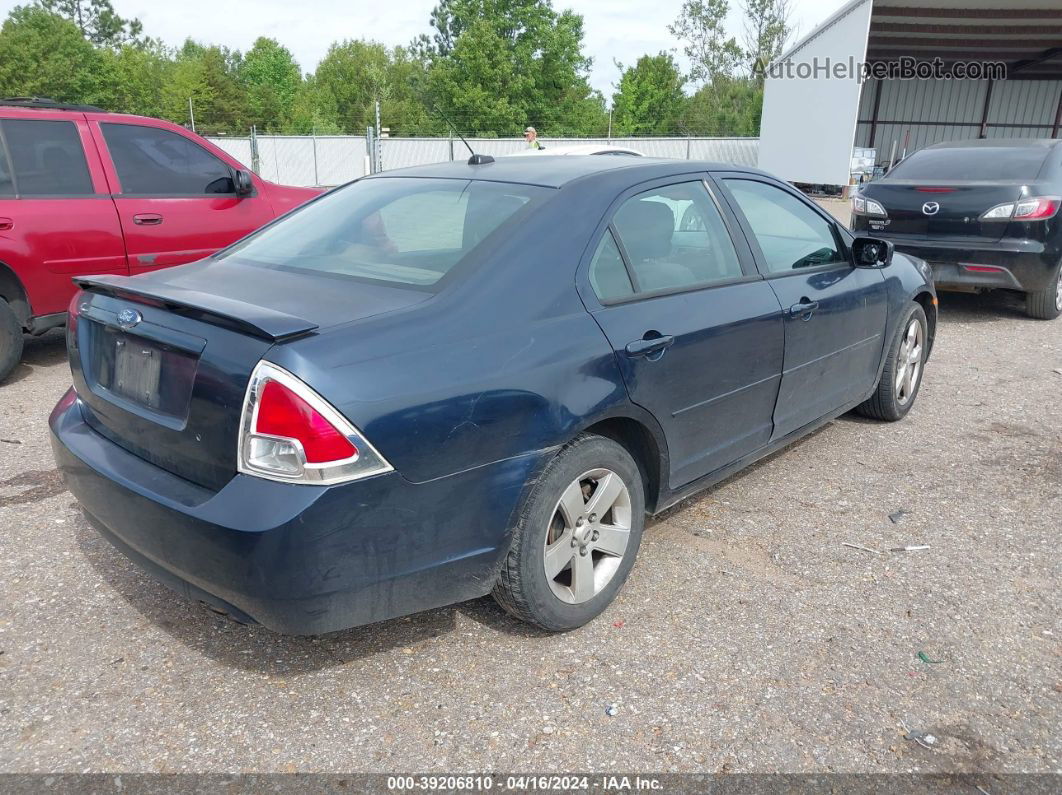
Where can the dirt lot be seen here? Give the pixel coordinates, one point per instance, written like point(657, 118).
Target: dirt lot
point(748, 638)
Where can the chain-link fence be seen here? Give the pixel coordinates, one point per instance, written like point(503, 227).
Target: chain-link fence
point(335, 159)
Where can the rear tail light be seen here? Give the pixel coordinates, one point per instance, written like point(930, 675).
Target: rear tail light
point(864, 206)
point(73, 312)
point(290, 433)
point(1038, 208)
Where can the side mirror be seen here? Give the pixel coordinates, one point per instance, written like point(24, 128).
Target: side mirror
point(872, 252)
point(242, 180)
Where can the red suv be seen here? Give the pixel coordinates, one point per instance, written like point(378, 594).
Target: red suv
point(83, 191)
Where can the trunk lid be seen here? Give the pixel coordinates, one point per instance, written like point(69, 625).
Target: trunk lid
point(162, 362)
point(941, 210)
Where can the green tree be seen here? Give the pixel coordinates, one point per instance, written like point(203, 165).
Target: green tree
point(767, 30)
point(97, 21)
point(700, 25)
point(353, 75)
point(313, 110)
point(730, 107)
point(207, 76)
point(497, 65)
point(650, 98)
point(43, 54)
point(271, 79)
point(133, 78)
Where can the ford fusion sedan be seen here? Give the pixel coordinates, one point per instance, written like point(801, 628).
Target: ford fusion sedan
point(461, 379)
point(984, 214)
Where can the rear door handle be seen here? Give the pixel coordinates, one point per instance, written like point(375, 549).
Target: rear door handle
point(644, 347)
point(5, 224)
point(805, 309)
point(147, 219)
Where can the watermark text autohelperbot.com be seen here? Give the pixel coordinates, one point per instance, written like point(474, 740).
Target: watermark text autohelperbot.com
point(903, 68)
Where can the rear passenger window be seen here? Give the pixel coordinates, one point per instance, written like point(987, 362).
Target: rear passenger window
point(47, 158)
point(155, 162)
point(672, 237)
point(608, 274)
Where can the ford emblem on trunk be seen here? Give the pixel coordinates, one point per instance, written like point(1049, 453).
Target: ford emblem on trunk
point(128, 318)
point(931, 208)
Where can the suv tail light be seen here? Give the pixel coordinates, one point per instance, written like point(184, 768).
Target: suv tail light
point(290, 433)
point(1038, 208)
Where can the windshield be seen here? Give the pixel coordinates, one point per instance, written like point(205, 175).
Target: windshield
point(405, 230)
point(982, 163)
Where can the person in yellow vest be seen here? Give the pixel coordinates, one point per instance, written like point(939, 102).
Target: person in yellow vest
point(531, 136)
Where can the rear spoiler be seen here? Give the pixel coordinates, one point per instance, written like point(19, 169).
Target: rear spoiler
point(256, 320)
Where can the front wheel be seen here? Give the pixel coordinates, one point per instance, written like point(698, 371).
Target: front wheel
point(11, 339)
point(576, 536)
point(901, 377)
point(1046, 304)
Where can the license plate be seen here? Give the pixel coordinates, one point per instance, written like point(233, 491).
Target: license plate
point(137, 371)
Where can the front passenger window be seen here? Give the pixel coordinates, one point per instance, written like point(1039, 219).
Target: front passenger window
point(791, 234)
point(155, 162)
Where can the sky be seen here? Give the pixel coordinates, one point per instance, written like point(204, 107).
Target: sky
point(614, 29)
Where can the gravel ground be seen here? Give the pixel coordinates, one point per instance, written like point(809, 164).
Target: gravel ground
point(747, 639)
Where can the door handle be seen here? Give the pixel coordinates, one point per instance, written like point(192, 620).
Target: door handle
point(647, 347)
point(5, 224)
point(147, 219)
point(805, 309)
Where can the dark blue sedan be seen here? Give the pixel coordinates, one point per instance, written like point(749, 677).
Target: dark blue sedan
point(449, 381)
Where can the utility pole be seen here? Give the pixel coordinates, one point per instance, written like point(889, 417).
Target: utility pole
point(191, 113)
point(379, 145)
point(610, 126)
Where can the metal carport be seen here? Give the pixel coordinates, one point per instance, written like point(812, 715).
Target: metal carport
point(811, 123)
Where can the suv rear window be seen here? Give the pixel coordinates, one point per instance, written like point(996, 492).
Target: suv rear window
point(404, 230)
point(47, 158)
point(975, 163)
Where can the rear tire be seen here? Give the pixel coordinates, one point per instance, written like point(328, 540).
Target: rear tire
point(11, 340)
point(899, 383)
point(583, 520)
point(1046, 304)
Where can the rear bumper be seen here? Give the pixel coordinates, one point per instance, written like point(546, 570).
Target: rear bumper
point(297, 559)
point(1022, 265)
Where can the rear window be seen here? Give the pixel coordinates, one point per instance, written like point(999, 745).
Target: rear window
point(403, 230)
point(976, 163)
point(47, 158)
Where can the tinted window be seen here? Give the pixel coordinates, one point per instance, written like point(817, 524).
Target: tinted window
point(406, 230)
point(976, 163)
point(608, 274)
point(47, 158)
point(791, 234)
point(155, 162)
point(7, 185)
point(674, 237)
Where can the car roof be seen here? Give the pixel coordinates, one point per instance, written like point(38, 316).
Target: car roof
point(558, 170)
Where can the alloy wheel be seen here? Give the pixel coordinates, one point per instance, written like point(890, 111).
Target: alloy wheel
point(1058, 291)
point(909, 362)
point(588, 536)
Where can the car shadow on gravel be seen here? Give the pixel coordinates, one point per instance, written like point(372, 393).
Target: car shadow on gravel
point(256, 649)
point(987, 307)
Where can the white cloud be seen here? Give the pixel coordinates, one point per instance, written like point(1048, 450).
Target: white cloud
point(614, 29)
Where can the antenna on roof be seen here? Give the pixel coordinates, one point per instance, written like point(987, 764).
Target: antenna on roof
point(475, 160)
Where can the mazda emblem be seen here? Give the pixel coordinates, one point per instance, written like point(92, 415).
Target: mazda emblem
point(128, 318)
point(931, 208)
